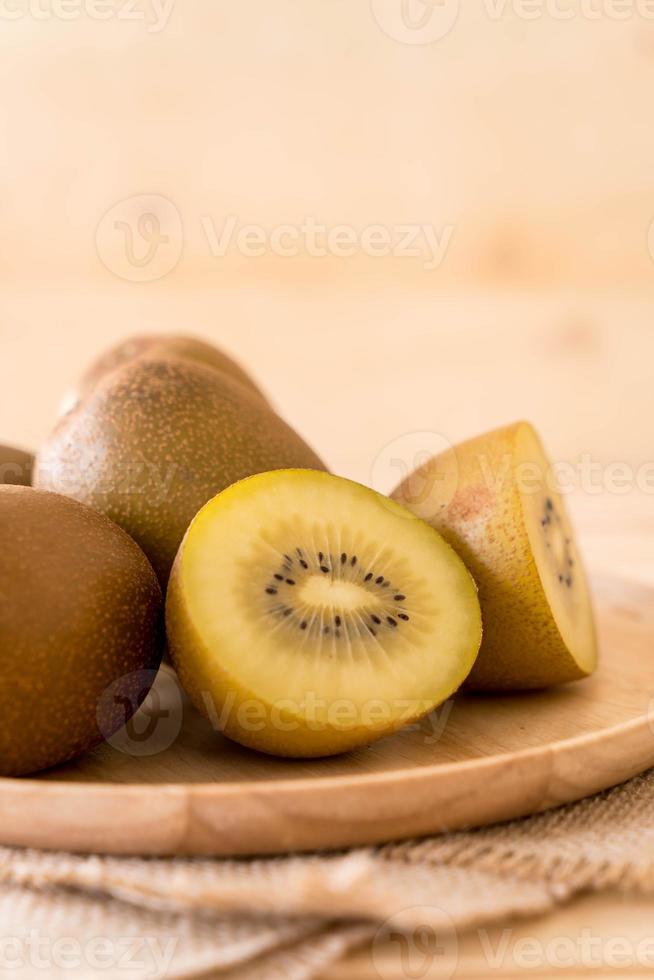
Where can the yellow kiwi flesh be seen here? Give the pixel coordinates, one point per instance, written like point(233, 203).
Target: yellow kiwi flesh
point(308, 615)
point(80, 629)
point(158, 438)
point(494, 498)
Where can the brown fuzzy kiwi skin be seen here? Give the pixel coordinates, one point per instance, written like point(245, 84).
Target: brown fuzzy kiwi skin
point(80, 611)
point(157, 346)
point(16, 467)
point(156, 440)
point(522, 647)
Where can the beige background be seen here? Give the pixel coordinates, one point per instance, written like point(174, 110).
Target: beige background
point(530, 139)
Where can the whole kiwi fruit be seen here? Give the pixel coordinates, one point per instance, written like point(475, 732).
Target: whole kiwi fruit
point(158, 438)
point(80, 628)
point(159, 345)
point(15, 466)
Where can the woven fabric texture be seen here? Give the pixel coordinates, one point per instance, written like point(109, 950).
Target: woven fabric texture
point(290, 918)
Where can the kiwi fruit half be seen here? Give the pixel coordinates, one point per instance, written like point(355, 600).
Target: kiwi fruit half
point(158, 438)
point(80, 629)
point(159, 345)
point(495, 500)
point(15, 467)
point(308, 615)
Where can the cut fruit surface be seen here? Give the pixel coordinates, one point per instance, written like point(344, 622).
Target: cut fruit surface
point(308, 614)
point(495, 499)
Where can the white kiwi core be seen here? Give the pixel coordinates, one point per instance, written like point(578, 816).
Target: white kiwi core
point(327, 593)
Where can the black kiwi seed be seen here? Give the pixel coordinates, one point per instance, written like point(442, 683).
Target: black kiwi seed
point(549, 504)
point(328, 563)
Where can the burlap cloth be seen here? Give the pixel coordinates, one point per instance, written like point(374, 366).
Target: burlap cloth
point(292, 917)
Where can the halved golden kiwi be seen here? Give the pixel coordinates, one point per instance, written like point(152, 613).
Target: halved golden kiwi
point(494, 498)
point(308, 614)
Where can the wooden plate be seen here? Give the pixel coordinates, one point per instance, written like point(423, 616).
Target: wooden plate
point(171, 785)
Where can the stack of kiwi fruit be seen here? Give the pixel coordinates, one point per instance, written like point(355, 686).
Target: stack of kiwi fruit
point(171, 508)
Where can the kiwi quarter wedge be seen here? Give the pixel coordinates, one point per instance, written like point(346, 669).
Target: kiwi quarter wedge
point(308, 615)
point(495, 499)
